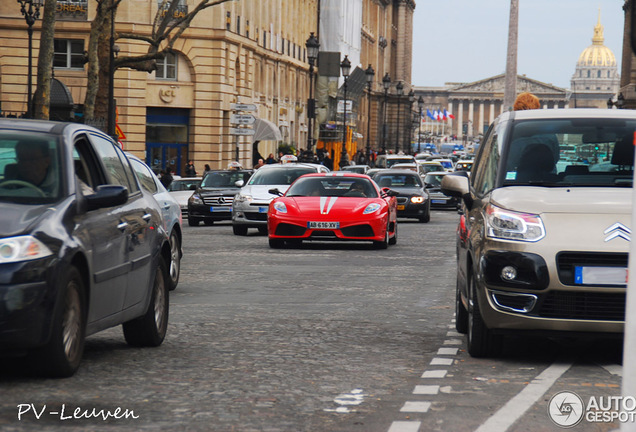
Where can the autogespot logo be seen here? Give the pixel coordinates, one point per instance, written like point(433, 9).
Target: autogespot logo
point(566, 409)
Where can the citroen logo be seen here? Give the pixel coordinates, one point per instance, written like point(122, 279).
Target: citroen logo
point(617, 230)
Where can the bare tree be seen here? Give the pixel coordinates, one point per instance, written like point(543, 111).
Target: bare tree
point(42, 95)
point(166, 29)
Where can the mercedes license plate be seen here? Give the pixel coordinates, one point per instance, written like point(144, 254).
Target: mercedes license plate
point(220, 209)
point(323, 225)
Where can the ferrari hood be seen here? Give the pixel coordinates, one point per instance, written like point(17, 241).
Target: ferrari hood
point(330, 205)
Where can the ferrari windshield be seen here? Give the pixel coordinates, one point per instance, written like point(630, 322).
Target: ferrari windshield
point(332, 186)
point(29, 167)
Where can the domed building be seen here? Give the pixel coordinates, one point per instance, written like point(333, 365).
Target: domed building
point(596, 78)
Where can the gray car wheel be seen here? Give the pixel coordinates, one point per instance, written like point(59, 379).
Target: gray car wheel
point(61, 356)
point(175, 260)
point(150, 329)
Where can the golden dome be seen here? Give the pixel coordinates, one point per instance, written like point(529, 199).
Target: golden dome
point(597, 54)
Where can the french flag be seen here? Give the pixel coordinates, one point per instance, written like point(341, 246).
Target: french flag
point(448, 115)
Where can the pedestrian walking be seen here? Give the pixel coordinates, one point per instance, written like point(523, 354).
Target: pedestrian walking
point(166, 178)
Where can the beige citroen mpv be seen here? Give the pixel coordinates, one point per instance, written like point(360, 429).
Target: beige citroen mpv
point(544, 233)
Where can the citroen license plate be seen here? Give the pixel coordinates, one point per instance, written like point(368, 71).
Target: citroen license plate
point(600, 275)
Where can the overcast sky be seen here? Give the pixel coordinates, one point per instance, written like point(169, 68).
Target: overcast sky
point(466, 40)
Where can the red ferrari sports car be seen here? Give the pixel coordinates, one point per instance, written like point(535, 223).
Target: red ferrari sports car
point(333, 207)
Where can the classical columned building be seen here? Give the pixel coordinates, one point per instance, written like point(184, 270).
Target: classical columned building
point(475, 105)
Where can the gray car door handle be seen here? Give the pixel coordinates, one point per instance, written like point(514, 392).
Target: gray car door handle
point(147, 217)
point(122, 226)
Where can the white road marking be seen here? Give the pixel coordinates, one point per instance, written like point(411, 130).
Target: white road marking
point(426, 389)
point(440, 373)
point(447, 351)
point(442, 361)
point(405, 426)
point(421, 407)
point(453, 342)
point(454, 334)
point(518, 405)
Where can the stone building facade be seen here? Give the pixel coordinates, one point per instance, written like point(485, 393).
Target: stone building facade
point(476, 105)
point(249, 52)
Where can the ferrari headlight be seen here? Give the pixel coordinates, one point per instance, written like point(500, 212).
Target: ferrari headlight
point(510, 225)
point(417, 199)
point(371, 208)
point(195, 199)
point(23, 248)
point(280, 207)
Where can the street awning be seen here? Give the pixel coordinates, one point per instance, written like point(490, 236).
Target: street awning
point(266, 130)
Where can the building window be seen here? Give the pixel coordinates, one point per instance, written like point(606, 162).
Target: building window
point(68, 53)
point(598, 74)
point(589, 73)
point(238, 25)
point(264, 39)
point(247, 29)
point(167, 67)
point(228, 20)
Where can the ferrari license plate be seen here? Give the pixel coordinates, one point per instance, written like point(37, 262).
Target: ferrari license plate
point(401, 206)
point(323, 225)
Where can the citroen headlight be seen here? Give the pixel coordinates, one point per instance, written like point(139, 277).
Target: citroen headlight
point(23, 248)
point(280, 207)
point(195, 199)
point(371, 208)
point(417, 199)
point(239, 198)
point(510, 225)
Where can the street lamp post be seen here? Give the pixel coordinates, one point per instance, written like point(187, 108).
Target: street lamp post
point(400, 91)
point(420, 105)
point(370, 73)
point(386, 83)
point(345, 66)
point(408, 140)
point(31, 11)
point(312, 46)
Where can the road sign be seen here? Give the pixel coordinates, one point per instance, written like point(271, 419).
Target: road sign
point(242, 119)
point(341, 106)
point(243, 107)
point(242, 131)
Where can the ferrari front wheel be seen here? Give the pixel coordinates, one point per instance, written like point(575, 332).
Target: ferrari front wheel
point(383, 244)
point(393, 240)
